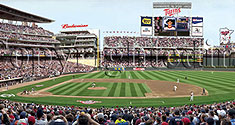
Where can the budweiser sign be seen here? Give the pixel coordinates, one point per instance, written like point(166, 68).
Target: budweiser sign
point(65, 26)
point(171, 12)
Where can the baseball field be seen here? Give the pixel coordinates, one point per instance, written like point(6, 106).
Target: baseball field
point(136, 88)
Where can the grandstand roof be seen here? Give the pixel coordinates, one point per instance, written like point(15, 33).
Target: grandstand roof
point(18, 15)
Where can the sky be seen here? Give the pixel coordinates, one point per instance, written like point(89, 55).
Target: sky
point(124, 15)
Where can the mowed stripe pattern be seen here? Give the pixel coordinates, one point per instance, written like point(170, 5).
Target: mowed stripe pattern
point(214, 82)
point(113, 89)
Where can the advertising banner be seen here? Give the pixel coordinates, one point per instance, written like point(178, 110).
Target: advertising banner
point(146, 31)
point(182, 24)
point(119, 69)
point(197, 21)
point(197, 31)
point(146, 21)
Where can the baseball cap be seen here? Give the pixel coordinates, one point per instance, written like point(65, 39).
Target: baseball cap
point(31, 119)
point(141, 114)
point(12, 117)
point(159, 114)
point(189, 112)
point(186, 121)
point(100, 115)
point(23, 114)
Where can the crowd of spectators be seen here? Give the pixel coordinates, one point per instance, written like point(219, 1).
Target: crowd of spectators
point(123, 41)
point(23, 37)
point(137, 62)
point(37, 114)
point(178, 42)
point(220, 51)
point(148, 52)
point(40, 68)
point(26, 52)
point(21, 29)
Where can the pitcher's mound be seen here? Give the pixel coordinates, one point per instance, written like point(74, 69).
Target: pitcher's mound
point(97, 88)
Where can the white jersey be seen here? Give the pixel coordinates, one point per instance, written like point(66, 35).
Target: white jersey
point(178, 80)
point(175, 87)
point(191, 98)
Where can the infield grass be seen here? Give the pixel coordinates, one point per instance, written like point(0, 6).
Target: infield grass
point(112, 89)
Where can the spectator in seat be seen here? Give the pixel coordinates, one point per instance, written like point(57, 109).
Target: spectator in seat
point(120, 121)
point(231, 115)
point(177, 120)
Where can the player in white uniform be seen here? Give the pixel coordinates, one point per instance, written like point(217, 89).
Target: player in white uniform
point(7, 87)
point(175, 88)
point(191, 96)
point(93, 85)
point(178, 80)
point(129, 77)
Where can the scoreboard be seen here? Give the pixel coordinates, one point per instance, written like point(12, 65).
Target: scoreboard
point(172, 26)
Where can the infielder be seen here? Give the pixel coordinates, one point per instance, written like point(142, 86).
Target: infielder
point(33, 90)
point(178, 80)
point(191, 96)
point(175, 87)
point(93, 85)
point(129, 77)
point(203, 91)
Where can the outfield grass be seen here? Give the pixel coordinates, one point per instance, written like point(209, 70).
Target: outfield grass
point(113, 89)
point(220, 85)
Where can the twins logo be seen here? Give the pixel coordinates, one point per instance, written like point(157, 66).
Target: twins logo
point(89, 102)
point(224, 33)
point(171, 12)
